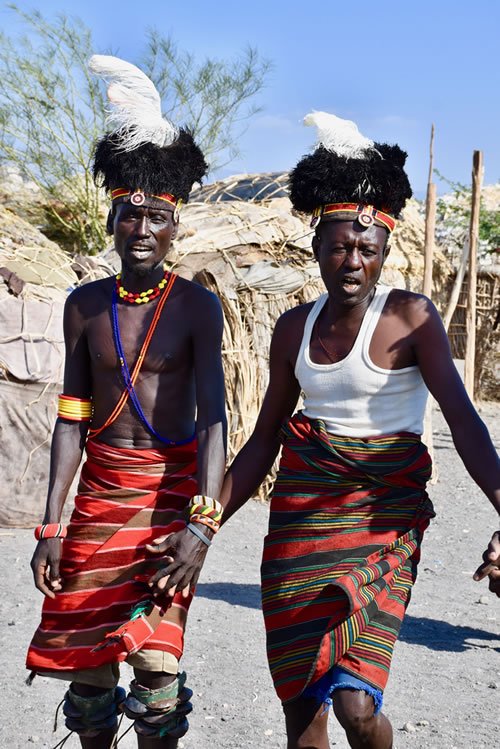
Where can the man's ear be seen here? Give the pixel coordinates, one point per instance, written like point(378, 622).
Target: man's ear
point(387, 250)
point(315, 246)
point(110, 222)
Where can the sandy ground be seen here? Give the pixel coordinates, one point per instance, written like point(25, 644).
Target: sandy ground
point(444, 689)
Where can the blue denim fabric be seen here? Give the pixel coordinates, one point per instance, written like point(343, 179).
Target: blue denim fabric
point(337, 678)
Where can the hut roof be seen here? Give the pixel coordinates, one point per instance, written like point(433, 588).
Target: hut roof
point(241, 233)
point(249, 246)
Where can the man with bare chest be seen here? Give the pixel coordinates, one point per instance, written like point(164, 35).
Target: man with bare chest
point(144, 397)
point(142, 237)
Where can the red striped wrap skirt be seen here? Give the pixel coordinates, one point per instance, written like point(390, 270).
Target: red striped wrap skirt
point(126, 498)
point(346, 522)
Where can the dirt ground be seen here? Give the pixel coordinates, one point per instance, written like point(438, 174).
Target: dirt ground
point(444, 689)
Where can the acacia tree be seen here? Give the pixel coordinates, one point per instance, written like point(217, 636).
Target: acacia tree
point(52, 110)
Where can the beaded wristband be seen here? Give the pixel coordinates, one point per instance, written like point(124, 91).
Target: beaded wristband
point(74, 409)
point(206, 512)
point(50, 530)
point(202, 520)
point(200, 534)
point(201, 499)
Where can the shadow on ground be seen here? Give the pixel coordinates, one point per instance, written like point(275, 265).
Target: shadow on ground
point(436, 634)
point(235, 593)
point(433, 634)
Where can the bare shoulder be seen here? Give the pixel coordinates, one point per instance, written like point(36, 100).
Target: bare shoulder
point(200, 306)
point(293, 319)
point(86, 296)
point(288, 332)
point(414, 309)
point(85, 303)
point(196, 293)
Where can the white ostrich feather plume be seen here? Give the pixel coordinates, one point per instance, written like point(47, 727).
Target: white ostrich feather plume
point(135, 112)
point(337, 135)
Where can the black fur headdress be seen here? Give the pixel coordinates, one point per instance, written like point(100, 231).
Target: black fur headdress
point(150, 168)
point(144, 150)
point(346, 167)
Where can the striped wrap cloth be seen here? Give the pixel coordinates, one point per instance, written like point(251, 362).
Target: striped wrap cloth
point(126, 498)
point(340, 559)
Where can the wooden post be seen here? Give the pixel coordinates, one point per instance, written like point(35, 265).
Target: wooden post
point(457, 286)
point(470, 345)
point(430, 224)
point(430, 228)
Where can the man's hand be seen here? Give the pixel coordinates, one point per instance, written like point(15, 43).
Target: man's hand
point(45, 566)
point(491, 565)
point(185, 554)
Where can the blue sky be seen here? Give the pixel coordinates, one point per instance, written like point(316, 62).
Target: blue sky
point(392, 67)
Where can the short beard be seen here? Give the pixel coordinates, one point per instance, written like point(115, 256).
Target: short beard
point(140, 271)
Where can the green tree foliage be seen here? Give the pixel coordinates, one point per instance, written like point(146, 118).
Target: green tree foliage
point(489, 229)
point(52, 111)
point(212, 98)
point(455, 213)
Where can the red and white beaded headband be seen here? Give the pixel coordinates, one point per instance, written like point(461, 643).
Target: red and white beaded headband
point(138, 197)
point(365, 214)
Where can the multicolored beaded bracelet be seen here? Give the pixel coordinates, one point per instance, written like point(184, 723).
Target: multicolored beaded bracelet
point(203, 520)
point(202, 499)
point(50, 530)
point(206, 511)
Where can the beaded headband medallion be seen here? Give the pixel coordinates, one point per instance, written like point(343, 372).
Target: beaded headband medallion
point(138, 197)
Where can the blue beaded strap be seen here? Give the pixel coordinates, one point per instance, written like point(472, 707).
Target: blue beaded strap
point(128, 380)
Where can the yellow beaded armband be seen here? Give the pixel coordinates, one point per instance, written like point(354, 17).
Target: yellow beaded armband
point(74, 409)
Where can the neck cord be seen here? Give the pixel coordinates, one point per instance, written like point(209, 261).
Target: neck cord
point(320, 341)
point(127, 378)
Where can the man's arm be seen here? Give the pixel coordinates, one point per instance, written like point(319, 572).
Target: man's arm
point(255, 459)
point(470, 435)
point(68, 441)
point(211, 430)
point(211, 422)
point(250, 466)
point(469, 432)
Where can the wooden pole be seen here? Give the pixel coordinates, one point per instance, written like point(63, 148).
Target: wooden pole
point(457, 286)
point(430, 223)
point(470, 345)
point(430, 228)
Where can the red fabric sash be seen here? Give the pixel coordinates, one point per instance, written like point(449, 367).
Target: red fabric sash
point(126, 498)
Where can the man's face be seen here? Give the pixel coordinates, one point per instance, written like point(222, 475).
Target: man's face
point(350, 258)
point(142, 235)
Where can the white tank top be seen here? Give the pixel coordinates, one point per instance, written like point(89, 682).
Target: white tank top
point(354, 397)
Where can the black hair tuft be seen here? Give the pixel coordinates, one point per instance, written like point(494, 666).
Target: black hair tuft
point(149, 168)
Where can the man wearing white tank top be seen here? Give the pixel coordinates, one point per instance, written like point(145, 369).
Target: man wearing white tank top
point(349, 506)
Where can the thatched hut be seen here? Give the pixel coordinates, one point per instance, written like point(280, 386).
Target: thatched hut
point(253, 252)
point(34, 277)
